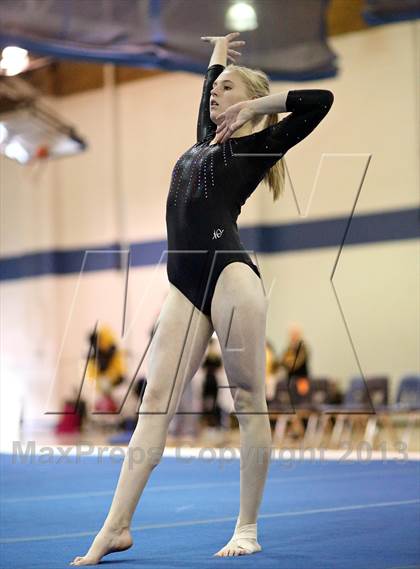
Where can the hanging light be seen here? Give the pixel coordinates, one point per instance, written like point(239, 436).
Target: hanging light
point(29, 130)
point(13, 60)
point(241, 17)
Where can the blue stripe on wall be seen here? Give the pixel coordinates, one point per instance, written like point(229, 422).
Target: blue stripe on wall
point(60, 262)
point(281, 238)
point(369, 228)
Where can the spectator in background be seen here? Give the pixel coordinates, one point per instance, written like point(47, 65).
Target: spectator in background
point(106, 363)
point(295, 360)
point(211, 364)
point(335, 396)
point(270, 369)
point(106, 368)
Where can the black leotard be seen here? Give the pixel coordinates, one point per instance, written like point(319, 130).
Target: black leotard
point(210, 184)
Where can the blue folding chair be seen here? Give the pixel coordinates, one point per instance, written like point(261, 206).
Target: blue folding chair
point(407, 405)
point(408, 396)
point(320, 396)
point(362, 400)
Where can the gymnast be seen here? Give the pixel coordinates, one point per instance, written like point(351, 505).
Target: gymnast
point(213, 283)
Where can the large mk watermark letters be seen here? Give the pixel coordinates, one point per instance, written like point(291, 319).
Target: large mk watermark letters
point(348, 170)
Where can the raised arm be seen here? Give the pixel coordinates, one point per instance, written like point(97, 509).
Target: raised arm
point(205, 125)
point(222, 51)
point(307, 108)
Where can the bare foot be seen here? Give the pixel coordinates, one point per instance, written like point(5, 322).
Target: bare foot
point(243, 542)
point(107, 541)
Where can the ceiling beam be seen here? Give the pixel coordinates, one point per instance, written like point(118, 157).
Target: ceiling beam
point(66, 77)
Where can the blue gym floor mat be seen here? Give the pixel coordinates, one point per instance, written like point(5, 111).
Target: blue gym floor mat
point(315, 514)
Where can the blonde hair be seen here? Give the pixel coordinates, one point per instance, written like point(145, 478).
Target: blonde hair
point(257, 85)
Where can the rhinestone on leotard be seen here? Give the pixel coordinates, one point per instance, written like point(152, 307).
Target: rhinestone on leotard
point(211, 169)
point(203, 162)
point(205, 177)
point(230, 146)
point(189, 182)
point(192, 168)
point(224, 153)
point(176, 172)
point(199, 174)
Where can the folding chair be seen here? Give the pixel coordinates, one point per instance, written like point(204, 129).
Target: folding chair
point(279, 409)
point(359, 402)
point(379, 392)
point(320, 393)
point(407, 405)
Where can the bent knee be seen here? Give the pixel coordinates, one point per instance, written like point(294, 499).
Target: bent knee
point(250, 401)
point(156, 400)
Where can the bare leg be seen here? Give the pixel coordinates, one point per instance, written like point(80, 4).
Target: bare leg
point(175, 354)
point(242, 339)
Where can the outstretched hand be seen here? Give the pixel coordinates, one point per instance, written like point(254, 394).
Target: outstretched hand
point(232, 42)
point(232, 119)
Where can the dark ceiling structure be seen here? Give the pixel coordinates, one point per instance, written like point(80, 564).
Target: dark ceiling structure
point(70, 42)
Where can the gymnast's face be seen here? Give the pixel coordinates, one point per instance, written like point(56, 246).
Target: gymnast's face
point(227, 90)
